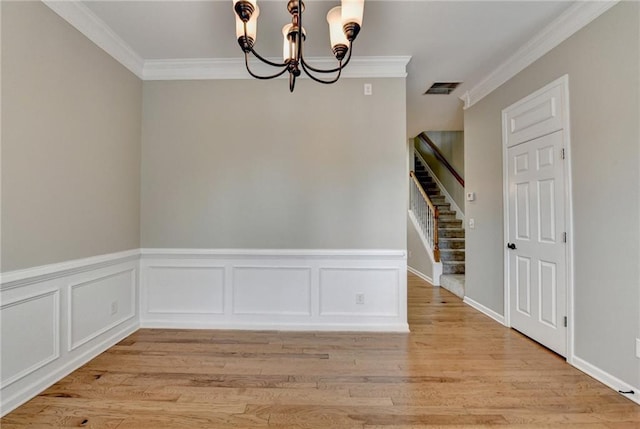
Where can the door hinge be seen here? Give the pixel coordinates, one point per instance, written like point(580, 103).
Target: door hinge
point(562, 153)
point(565, 321)
point(564, 237)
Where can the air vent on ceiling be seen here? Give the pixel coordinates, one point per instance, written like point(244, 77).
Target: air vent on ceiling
point(442, 88)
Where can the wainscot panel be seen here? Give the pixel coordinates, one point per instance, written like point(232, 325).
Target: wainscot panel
point(185, 289)
point(30, 334)
point(378, 290)
point(363, 290)
point(55, 318)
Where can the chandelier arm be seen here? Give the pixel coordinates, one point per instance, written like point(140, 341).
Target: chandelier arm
point(246, 63)
point(258, 56)
point(327, 82)
point(342, 65)
point(266, 61)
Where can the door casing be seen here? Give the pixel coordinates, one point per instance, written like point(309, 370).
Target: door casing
point(563, 113)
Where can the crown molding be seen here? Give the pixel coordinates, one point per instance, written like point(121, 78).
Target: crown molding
point(96, 30)
point(87, 23)
point(234, 68)
point(569, 22)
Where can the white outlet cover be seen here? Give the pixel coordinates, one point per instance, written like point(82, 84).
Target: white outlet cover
point(638, 348)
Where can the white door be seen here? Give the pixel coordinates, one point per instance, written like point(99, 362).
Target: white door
point(537, 276)
point(537, 268)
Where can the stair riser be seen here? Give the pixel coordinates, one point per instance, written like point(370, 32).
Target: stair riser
point(458, 255)
point(453, 283)
point(452, 269)
point(428, 186)
point(450, 244)
point(449, 223)
point(451, 233)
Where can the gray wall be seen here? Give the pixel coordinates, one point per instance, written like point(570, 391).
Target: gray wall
point(246, 164)
point(71, 119)
point(602, 61)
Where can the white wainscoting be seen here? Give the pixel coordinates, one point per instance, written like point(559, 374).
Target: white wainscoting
point(56, 318)
point(273, 289)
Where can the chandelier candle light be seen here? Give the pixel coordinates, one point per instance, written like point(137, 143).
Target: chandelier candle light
point(344, 25)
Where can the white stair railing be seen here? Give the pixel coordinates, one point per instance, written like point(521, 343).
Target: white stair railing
point(426, 214)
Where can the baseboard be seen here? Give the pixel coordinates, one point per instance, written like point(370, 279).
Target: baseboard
point(606, 378)
point(424, 277)
point(485, 310)
point(581, 364)
point(58, 317)
point(293, 327)
point(284, 289)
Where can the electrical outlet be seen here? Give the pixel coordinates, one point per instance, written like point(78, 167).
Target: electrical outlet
point(114, 307)
point(359, 298)
point(638, 348)
point(472, 223)
point(368, 89)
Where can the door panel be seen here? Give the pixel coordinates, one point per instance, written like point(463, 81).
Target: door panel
point(546, 211)
point(548, 289)
point(523, 287)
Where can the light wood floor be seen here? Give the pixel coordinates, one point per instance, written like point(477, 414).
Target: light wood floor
point(457, 368)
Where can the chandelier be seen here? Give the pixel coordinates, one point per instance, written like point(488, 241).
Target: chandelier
point(344, 25)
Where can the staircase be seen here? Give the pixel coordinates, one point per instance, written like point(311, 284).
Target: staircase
point(450, 234)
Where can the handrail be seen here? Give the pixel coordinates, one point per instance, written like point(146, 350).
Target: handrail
point(425, 138)
point(430, 223)
point(424, 194)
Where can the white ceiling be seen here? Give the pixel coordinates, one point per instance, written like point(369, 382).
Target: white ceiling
point(447, 40)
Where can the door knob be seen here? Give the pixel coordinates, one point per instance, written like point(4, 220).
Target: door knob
point(511, 246)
